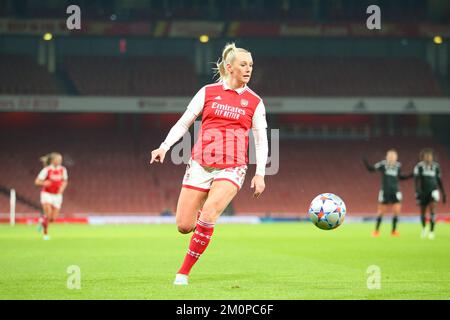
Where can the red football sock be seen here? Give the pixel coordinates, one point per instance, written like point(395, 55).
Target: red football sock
point(45, 224)
point(199, 241)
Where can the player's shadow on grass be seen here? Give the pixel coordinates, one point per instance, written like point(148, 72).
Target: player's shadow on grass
point(231, 278)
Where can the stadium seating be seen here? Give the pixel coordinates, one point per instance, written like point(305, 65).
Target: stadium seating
point(109, 172)
point(318, 76)
point(311, 167)
point(22, 75)
point(325, 76)
point(175, 76)
point(137, 76)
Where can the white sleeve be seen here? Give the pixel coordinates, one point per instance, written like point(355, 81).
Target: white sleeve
point(378, 165)
point(261, 150)
point(42, 174)
point(65, 175)
point(197, 102)
point(259, 117)
point(416, 170)
point(193, 110)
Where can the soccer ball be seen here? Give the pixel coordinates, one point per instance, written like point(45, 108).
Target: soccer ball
point(327, 211)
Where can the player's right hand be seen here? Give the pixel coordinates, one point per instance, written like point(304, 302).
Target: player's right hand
point(158, 155)
point(47, 183)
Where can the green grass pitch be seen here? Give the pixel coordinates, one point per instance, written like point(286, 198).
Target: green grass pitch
point(265, 261)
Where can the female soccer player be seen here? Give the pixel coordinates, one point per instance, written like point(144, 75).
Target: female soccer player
point(53, 179)
point(427, 175)
point(218, 163)
point(390, 193)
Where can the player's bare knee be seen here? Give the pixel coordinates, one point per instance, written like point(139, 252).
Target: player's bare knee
point(185, 228)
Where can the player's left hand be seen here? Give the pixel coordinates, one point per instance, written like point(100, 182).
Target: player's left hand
point(158, 155)
point(259, 185)
point(444, 198)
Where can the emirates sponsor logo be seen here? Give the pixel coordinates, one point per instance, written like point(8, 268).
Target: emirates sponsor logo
point(226, 107)
point(227, 111)
point(218, 146)
point(55, 176)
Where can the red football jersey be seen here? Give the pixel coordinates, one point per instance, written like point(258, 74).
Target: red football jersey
point(56, 175)
point(227, 117)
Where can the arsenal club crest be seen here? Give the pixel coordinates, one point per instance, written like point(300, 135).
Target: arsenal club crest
point(244, 103)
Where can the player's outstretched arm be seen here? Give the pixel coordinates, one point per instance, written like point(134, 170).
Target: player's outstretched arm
point(402, 176)
point(259, 129)
point(441, 187)
point(367, 165)
point(63, 187)
point(41, 179)
point(175, 134)
point(262, 150)
point(417, 180)
point(41, 183)
point(405, 176)
point(194, 108)
point(417, 186)
point(64, 183)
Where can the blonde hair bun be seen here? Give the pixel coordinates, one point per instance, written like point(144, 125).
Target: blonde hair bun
point(228, 55)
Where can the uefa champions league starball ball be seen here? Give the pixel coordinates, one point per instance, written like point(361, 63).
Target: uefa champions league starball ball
point(327, 211)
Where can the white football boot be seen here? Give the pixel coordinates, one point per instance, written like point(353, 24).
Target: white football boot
point(181, 280)
point(431, 236)
point(424, 233)
point(46, 237)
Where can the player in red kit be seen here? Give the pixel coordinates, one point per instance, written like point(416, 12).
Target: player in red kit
point(53, 179)
point(218, 163)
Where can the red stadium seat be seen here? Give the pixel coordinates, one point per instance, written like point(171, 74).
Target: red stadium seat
point(109, 173)
point(132, 76)
point(21, 74)
point(331, 76)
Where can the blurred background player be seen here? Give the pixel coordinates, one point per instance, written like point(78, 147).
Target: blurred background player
point(217, 168)
point(390, 192)
point(428, 181)
point(54, 179)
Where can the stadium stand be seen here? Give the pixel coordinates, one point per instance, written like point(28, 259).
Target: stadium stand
point(333, 76)
point(137, 76)
point(154, 76)
point(21, 74)
point(315, 163)
point(109, 172)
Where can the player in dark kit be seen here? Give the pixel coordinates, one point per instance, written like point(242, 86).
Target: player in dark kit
point(428, 181)
point(390, 192)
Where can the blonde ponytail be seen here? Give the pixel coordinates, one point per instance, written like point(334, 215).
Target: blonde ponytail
point(47, 159)
point(228, 55)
